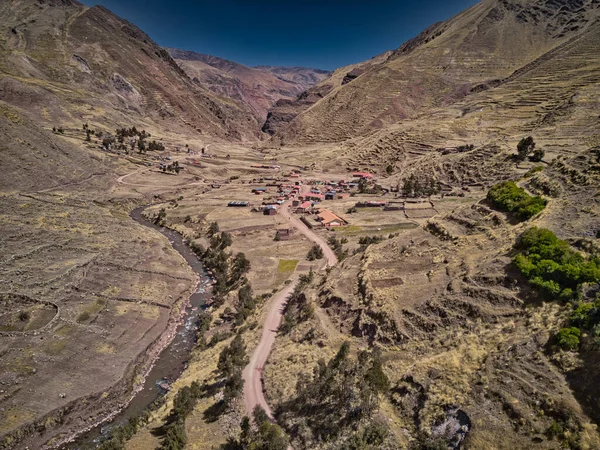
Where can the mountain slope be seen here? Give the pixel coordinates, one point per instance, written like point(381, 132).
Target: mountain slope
point(259, 88)
point(478, 47)
point(286, 110)
point(86, 64)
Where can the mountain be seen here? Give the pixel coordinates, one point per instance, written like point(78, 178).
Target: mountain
point(303, 76)
point(286, 110)
point(259, 87)
point(478, 49)
point(71, 64)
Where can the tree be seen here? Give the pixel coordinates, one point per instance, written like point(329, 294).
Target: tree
point(538, 155)
point(408, 186)
point(175, 439)
point(241, 266)
point(524, 148)
point(232, 357)
point(315, 252)
point(87, 135)
point(362, 185)
point(213, 228)
point(389, 169)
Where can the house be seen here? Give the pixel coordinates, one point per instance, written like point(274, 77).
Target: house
point(370, 204)
point(237, 204)
point(303, 207)
point(394, 206)
point(295, 175)
point(270, 210)
point(330, 195)
point(260, 190)
point(364, 175)
point(329, 219)
point(295, 202)
point(284, 234)
point(317, 197)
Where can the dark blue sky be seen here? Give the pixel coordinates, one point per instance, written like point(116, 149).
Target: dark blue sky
point(314, 33)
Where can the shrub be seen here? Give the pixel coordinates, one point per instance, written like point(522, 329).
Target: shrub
point(538, 155)
point(509, 197)
point(568, 338)
point(24, 316)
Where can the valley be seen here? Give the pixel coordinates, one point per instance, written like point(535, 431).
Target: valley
point(367, 241)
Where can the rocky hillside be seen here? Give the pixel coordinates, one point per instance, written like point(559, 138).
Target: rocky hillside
point(69, 64)
point(285, 110)
point(479, 49)
point(258, 88)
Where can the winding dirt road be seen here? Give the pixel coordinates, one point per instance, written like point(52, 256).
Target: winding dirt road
point(252, 374)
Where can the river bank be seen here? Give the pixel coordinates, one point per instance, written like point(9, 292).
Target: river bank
point(167, 358)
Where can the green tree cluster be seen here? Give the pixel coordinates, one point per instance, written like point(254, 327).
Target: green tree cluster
point(183, 404)
point(232, 361)
point(228, 272)
point(551, 266)
point(298, 309)
point(509, 197)
point(337, 246)
point(339, 396)
point(259, 435)
point(314, 253)
point(415, 187)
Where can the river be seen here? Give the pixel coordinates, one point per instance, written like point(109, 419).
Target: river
point(173, 359)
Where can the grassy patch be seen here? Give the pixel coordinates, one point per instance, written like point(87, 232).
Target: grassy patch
point(287, 265)
point(55, 346)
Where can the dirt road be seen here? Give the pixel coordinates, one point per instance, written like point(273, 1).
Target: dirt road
point(253, 386)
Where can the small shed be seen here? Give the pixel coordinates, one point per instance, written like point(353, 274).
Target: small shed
point(285, 234)
point(270, 210)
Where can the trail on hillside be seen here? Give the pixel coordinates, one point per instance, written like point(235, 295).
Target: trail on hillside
point(252, 374)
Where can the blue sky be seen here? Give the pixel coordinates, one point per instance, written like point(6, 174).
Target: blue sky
point(323, 34)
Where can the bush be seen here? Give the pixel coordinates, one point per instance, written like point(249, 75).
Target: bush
point(24, 316)
point(509, 197)
point(568, 338)
point(552, 266)
point(315, 252)
point(538, 155)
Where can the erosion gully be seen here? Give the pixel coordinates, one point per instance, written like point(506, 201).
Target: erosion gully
point(173, 359)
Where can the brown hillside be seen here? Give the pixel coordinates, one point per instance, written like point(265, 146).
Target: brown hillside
point(475, 50)
point(72, 64)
